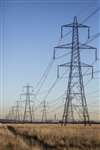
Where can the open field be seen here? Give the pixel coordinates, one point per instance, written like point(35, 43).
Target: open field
point(49, 137)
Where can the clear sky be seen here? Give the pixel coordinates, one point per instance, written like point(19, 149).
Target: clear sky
point(29, 30)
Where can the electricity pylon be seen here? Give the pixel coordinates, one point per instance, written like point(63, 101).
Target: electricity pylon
point(44, 112)
point(17, 111)
point(33, 113)
point(8, 116)
point(11, 114)
point(28, 109)
point(75, 108)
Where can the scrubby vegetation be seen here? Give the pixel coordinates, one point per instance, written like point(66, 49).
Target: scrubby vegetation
point(49, 137)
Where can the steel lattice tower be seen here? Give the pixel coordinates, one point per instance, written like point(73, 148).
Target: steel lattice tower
point(17, 111)
point(75, 88)
point(28, 109)
point(75, 108)
point(33, 113)
point(12, 113)
point(44, 112)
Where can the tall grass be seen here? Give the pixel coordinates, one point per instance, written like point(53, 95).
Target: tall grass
point(71, 136)
point(54, 137)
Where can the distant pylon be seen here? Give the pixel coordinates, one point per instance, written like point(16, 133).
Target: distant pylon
point(28, 109)
point(55, 117)
point(8, 116)
point(33, 113)
point(44, 112)
point(75, 108)
point(17, 111)
point(12, 113)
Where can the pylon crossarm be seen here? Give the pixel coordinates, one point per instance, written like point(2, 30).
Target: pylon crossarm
point(89, 66)
point(28, 86)
point(78, 25)
point(69, 64)
point(64, 46)
point(24, 94)
point(62, 65)
point(84, 46)
point(27, 101)
point(85, 65)
point(64, 26)
point(84, 26)
point(71, 25)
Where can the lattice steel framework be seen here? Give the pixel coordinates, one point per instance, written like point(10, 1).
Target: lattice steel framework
point(28, 109)
point(44, 112)
point(75, 108)
point(17, 110)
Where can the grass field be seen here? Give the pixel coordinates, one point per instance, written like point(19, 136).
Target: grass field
point(49, 137)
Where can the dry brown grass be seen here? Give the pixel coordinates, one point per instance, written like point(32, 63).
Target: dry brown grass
point(71, 137)
point(9, 142)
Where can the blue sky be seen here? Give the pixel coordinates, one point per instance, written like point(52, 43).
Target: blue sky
point(31, 30)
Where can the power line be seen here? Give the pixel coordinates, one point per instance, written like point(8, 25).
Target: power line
point(58, 98)
point(92, 14)
point(53, 85)
point(44, 76)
